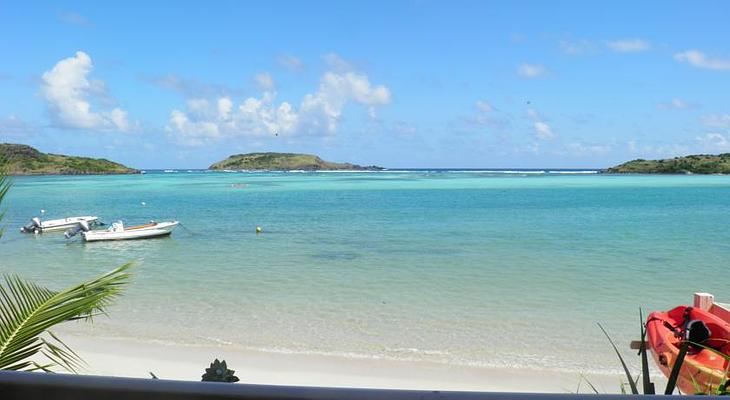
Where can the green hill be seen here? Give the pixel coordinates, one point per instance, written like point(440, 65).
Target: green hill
point(694, 164)
point(20, 159)
point(284, 162)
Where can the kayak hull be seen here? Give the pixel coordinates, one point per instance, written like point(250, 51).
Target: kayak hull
point(703, 369)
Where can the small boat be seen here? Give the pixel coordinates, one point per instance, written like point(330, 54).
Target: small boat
point(36, 225)
point(708, 334)
point(117, 231)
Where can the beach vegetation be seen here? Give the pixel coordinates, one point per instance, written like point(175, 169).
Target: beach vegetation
point(29, 311)
point(219, 372)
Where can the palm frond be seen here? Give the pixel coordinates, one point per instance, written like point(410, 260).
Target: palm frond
point(27, 311)
point(4, 187)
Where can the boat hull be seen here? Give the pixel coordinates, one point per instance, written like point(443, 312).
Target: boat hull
point(142, 232)
point(702, 370)
point(56, 225)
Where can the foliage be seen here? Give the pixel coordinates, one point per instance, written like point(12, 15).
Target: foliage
point(4, 187)
point(694, 164)
point(283, 162)
point(219, 372)
point(21, 159)
point(28, 311)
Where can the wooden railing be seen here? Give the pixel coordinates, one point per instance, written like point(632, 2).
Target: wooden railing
point(707, 302)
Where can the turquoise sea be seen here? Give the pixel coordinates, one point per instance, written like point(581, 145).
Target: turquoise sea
point(465, 267)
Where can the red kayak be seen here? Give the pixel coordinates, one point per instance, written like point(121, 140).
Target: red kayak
point(703, 369)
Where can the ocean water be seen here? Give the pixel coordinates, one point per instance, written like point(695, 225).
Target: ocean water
point(483, 268)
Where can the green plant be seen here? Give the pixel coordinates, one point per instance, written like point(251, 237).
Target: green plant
point(723, 387)
point(219, 372)
point(4, 187)
point(28, 312)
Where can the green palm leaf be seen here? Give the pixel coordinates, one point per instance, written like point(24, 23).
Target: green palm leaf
point(28, 311)
point(4, 187)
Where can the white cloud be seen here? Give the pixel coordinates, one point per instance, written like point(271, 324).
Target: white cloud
point(714, 142)
point(700, 60)
point(487, 115)
point(73, 18)
point(336, 62)
point(290, 62)
point(674, 104)
point(484, 106)
point(69, 93)
point(628, 45)
point(192, 87)
point(543, 130)
point(319, 113)
point(577, 47)
point(14, 126)
point(716, 120)
point(264, 81)
point(588, 149)
point(531, 70)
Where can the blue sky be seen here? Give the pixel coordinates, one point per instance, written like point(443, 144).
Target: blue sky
point(401, 84)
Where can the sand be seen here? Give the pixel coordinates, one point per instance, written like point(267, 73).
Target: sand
point(116, 357)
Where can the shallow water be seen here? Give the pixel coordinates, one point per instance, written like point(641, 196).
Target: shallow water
point(467, 267)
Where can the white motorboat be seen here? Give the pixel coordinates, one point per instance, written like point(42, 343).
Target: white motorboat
point(37, 225)
point(117, 231)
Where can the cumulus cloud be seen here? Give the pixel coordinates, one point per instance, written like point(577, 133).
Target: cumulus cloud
point(628, 45)
point(69, 93)
point(531, 70)
point(290, 62)
point(700, 60)
point(318, 113)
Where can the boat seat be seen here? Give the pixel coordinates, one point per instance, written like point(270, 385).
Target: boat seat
point(697, 331)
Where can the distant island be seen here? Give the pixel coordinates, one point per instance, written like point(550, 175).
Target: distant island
point(20, 159)
point(284, 162)
point(694, 164)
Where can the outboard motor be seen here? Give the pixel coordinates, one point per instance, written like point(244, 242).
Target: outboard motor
point(33, 227)
point(82, 226)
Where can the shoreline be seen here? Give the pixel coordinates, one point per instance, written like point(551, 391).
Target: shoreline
point(128, 358)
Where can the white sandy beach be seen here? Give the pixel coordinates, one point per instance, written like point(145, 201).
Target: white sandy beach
point(116, 357)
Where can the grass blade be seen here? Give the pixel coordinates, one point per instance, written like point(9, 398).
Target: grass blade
point(646, 383)
point(672, 382)
point(634, 390)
